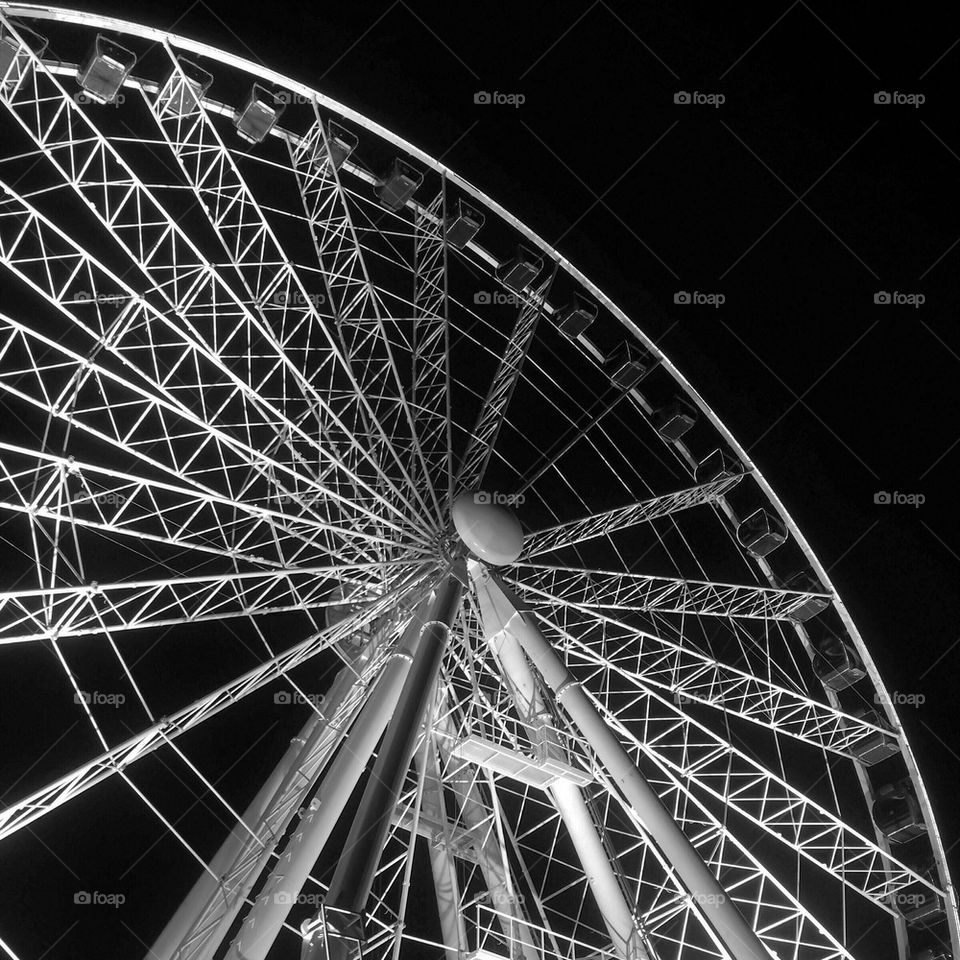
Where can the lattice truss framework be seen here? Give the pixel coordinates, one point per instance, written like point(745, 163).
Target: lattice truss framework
point(258, 368)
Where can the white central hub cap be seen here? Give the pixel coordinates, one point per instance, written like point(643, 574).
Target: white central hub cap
point(490, 531)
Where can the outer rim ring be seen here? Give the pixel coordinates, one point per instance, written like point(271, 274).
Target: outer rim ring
point(96, 21)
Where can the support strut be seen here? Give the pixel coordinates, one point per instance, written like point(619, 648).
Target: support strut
point(725, 922)
point(353, 877)
point(188, 930)
point(497, 612)
point(282, 888)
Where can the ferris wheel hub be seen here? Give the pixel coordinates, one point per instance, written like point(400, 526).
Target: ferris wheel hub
point(490, 531)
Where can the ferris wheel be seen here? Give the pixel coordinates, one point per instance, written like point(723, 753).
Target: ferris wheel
point(265, 363)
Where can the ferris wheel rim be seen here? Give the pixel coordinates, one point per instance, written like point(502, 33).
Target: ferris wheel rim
point(127, 27)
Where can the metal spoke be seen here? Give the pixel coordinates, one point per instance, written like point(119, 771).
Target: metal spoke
point(247, 383)
point(431, 344)
point(68, 490)
point(48, 798)
point(59, 612)
point(622, 518)
point(605, 589)
point(693, 676)
point(484, 435)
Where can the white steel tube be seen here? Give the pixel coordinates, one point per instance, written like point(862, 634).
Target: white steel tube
point(497, 613)
point(355, 870)
point(731, 931)
point(280, 892)
point(202, 934)
point(442, 862)
point(209, 884)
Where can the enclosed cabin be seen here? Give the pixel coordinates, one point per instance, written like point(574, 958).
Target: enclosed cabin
point(264, 108)
point(463, 226)
point(15, 56)
point(675, 418)
point(761, 533)
point(803, 581)
point(878, 744)
point(186, 89)
point(923, 909)
point(399, 185)
point(340, 144)
point(628, 365)
point(574, 318)
point(520, 270)
point(717, 466)
point(896, 812)
point(919, 905)
point(836, 662)
point(104, 69)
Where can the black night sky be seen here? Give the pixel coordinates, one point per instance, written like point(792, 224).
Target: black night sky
point(798, 198)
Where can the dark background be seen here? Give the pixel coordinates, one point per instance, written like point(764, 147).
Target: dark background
point(798, 199)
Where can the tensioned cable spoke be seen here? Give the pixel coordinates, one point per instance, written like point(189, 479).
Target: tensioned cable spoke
point(354, 297)
point(118, 198)
point(484, 435)
point(774, 912)
point(131, 412)
point(269, 431)
point(55, 794)
point(719, 767)
point(431, 343)
point(729, 774)
point(85, 495)
point(125, 324)
point(256, 253)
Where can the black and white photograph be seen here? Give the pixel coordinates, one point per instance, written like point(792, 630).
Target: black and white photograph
point(478, 480)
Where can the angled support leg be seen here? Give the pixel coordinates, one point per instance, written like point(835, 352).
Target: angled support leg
point(497, 614)
point(726, 924)
point(353, 877)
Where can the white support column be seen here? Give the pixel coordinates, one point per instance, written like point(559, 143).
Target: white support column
point(480, 822)
point(442, 861)
point(182, 925)
point(730, 930)
point(202, 933)
point(266, 917)
point(497, 613)
point(353, 877)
